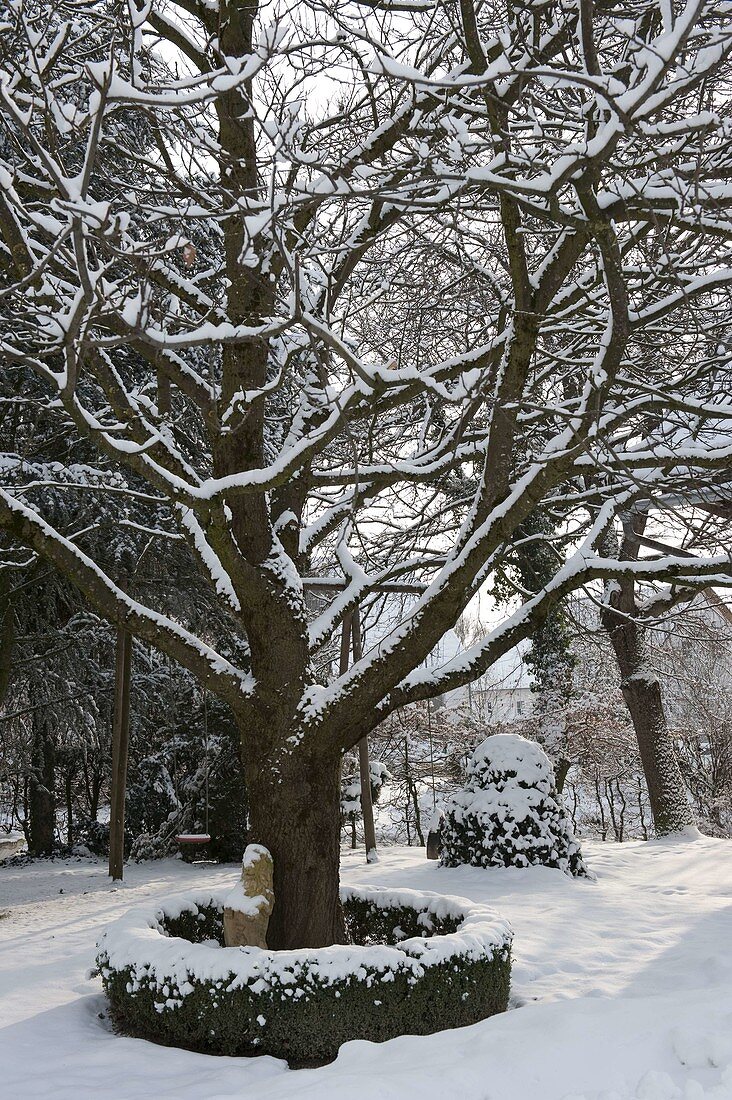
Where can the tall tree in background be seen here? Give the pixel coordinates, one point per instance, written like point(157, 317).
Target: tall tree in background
point(308, 173)
point(626, 616)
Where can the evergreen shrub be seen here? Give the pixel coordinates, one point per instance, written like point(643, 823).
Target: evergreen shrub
point(509, 814)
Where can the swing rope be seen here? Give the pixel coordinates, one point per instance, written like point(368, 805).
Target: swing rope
point(432, 756)
point(205, 836)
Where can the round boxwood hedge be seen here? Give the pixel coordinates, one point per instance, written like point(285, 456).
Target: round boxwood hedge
point(418, 963)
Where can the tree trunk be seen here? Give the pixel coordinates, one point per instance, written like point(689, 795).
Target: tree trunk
point(407, 779)
point(364, 767)
point(69, 810)
point(367, 807)
point(417, 814)
point(642, 694)
point(295, 813)
point(560, 773)
point(120, 748)
point(7, 633)
point(41, 790)
point(666, 793)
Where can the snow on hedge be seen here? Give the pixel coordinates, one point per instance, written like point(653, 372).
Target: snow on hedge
point(420, 963)
point(139, 940)
point(509, 814)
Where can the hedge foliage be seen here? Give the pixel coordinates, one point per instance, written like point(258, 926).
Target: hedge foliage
point(303, 1005)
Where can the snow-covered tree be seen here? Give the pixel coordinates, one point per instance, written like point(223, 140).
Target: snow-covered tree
point(509, 813)
point(380, 289)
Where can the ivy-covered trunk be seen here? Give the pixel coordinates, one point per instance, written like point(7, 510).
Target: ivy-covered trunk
point(295, 813)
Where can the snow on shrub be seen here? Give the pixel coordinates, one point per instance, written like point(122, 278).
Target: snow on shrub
point(509, 814)
point(418, 963)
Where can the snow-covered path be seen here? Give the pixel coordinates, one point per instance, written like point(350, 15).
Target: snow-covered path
point(624, 987)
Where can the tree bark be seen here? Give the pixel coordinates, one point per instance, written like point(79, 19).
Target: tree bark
point(417, 815)
point(561, 772)
point(68, 789)
point(7, 633)
point(642, 693)
point(669, 805)
point(364, 766)
point(120, 746)
point(41, 789)
point(295, 813)
point(367, 805)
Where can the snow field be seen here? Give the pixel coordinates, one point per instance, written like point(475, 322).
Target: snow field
point(622, 988)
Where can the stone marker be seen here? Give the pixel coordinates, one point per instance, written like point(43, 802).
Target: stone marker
point(247, 908)
point(10, 846)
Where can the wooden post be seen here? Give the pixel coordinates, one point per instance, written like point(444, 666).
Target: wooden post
point(120, 746)
point(7, 631)
point(367, 806)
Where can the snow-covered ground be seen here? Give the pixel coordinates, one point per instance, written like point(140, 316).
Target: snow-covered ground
point(622, 988)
